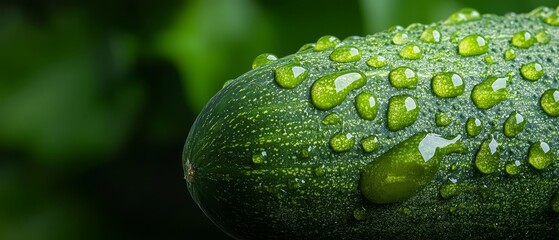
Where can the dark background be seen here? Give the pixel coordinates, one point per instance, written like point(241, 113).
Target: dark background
point(97, 98)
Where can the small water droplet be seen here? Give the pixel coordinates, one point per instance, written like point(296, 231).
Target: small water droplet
point(543, 36)
point(395, 28)
point(319, 171)
point(331, 90)
point(523, 39)
point(400, 38)
point(403, 111)
point(377, 61)
point(360, 214)
point(450, 190)
point(555, 202)
point(463, 15)
point(306, 152)
point(367, 106)
point(510, 54)
point(513, 168)
point(411, 51)
point(490, 92)
point(514, 124)
point(540, 155)
point(442, 120)
point(552, 19)
point(431, 35)
point(532, 71)
point(473, 45)
point(259, 158)
point(331, 119)
point(447, 85)
point(263, 59)
point(489, 60)
point(346, 53)
point(487, 158)
point(549, 102)
point(227, 83)
point(306, 47)
point(403, 77)
point(290, 75)
point(342, 142)
point(474, 126)
point(406, 168)
point(370, 143)
point(326, 42)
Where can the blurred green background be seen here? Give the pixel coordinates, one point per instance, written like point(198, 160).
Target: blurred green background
point(97, 98)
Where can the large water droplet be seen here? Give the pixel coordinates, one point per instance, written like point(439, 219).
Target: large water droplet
point(463, 15)
point(342, 142)
point(447, 85)
point(400, 38)
point(442, 120)
point(514, 124)
point(263, 59)
point(543, 36)
point(549, 102)
point(411, 51)
point(488, 156)
point(290, 75)
point(523, 39)
point(326, 42)
point(490, 92)
point(474, 126)
point(540, 155)
point(403, 110)
point(532, 71)
point(403, 77)
point(331, 119)
point(367, 106)
point(510, 54)
point(370, 143)
point(473, 45)
point(431, 35)
point(331, 90)
point(376, 61)
point(346, 53)
point(406, 168)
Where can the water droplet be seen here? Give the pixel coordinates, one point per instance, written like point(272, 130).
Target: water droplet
point(523, 39)
point(431, 35)
point(263, 59)
point(474, 126)
point(489, 60)
point(490, 92)
point(259, 157)
point(487, 158)
point(306, 47)
point(540, 155)
point(342, 142)
point(360, 214)
point(370, 143)
point(543, 36)
point(442, 120)
point(367, 106)
point(403, 110)
point(290, 75)
point(532, 71)
point(400, 38)
point(411, 51)
point(395, 28)
point(549, 102)
point(376, 61)
point(331, 119)
point(514, 124)
point(331, 90)
point(319, 171)
point(346, 53)
point(449, 191)
point(552, 19)
point(403, 77)
point(513, 168)
point(510, 54)
point(407, 167)
point(326, 42)
point(306, 152)
point(555, 202)
point(447, 85)
point(473, 45)
point(227, 83)
point(463, 15)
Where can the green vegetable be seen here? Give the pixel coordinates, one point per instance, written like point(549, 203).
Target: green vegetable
point(405, 134)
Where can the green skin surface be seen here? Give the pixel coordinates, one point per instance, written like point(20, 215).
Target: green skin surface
point(319, 196)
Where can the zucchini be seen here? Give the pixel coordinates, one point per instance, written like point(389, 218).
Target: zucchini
point(439, 131)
